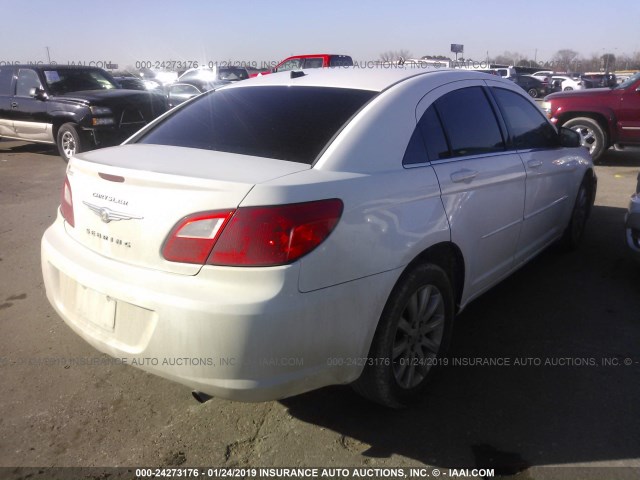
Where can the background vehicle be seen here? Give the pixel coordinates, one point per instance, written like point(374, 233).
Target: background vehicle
point(534, 86)
point(242, 226)
point(75, 108)
point(543, 74)
point(566, 83)
point(599, 80)
point(499, 70)
point(196, 81)
point(320, 60)
point(602, 116)
point(632, 223)
point(130, 82)
point(157, 78)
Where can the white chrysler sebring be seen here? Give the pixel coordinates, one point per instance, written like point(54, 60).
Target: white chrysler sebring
point(311, 228)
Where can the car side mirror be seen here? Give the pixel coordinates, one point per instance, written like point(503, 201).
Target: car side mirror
point(569, 138)
point(38, 93)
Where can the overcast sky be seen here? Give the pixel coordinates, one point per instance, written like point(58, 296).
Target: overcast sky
point(130, 31)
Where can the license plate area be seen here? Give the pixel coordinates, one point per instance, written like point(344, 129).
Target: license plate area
point(98, 308)
point(89, 305)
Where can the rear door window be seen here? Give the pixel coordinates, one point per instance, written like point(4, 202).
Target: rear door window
point(469, 122)
point(286, 123)
point(428, 141)
point(433, 134)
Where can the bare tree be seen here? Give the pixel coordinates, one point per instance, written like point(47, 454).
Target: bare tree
point(525, 62)
point(395, 55)
point(565, 59)
point(628, 62)
point(592, 64)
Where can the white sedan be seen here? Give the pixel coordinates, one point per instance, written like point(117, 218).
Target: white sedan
point(311, 228)
point(567, 83)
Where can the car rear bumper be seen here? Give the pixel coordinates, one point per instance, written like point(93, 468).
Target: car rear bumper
point(245, 334)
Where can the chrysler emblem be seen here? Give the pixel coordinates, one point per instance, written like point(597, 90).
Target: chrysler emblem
point(107, 215)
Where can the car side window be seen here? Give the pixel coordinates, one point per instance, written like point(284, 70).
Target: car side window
point(6, 75)
point(469, 122)
point(313, 62)
point(27, 79)
point(415, 152)
point(190, 75)
point(526, 123)
point(183, 89)
point(340, 61)
point(428, 141)
point(292, 64)
point(433, 135)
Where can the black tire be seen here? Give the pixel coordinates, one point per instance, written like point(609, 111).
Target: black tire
point(592, 136)
point(574, 233)
point(387, 377)
point(533, 93)
point(568, 89)
point(69, 141)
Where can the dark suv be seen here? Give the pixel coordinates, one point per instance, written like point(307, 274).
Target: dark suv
point(534, 86)
point(602, 116)
point(75, 108)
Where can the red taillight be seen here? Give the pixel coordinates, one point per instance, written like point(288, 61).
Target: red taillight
point(66, 203)
point(275, 235)
point(253, 236)
point(192, 239)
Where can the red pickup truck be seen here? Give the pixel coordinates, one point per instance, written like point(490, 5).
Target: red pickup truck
point(319, 60)
point(602, 116)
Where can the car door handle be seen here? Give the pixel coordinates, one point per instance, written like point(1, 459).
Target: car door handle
point(464, 175)
point(534, 163)
point(14, 105)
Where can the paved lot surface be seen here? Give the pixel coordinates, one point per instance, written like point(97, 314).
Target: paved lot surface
point(577, 315)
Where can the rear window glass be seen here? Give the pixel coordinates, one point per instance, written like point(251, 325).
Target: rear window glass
point(286, 123)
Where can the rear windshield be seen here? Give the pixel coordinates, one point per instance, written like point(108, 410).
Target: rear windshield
point(286, 123)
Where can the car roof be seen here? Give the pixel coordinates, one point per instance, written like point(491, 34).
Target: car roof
point(311, 55)
point(56, 67)
point(374, 79)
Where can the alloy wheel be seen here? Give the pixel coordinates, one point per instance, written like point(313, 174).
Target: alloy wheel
point(418, 336)
point(68, 144)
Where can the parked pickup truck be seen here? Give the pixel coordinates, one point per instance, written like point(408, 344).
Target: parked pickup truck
point(319, 60)
point(75, 108)
point(602, 116)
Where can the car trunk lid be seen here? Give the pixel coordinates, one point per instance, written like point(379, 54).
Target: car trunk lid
point(127, 199)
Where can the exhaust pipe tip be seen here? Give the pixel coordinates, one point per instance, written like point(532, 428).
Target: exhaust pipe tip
point(201, 397)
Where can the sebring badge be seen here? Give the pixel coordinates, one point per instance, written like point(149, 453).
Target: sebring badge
point(107, 215)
